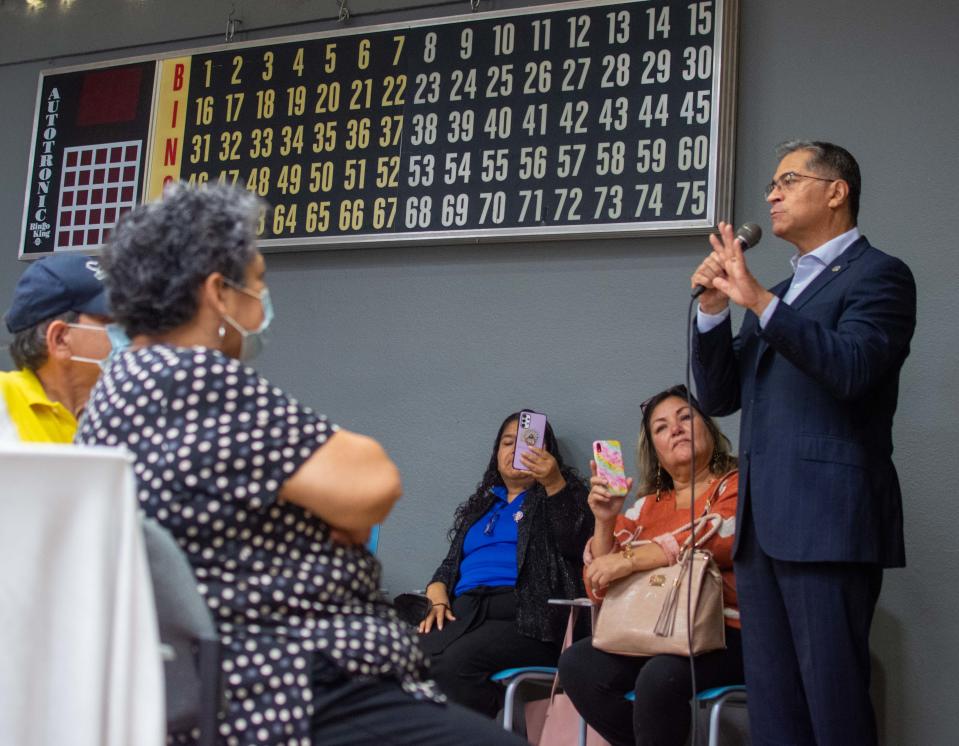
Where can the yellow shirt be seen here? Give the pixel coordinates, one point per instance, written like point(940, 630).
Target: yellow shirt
point(35, 418)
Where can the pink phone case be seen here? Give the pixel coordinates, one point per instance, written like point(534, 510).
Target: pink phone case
point(608, 455)
point(532, 430)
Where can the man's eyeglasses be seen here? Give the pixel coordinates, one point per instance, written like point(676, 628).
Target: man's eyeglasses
point(788, 180)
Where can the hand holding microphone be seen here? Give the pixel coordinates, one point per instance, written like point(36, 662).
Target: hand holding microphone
point(724, 276)
point(747, 236)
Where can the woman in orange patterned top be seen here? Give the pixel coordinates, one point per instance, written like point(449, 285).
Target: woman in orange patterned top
point(597, 681)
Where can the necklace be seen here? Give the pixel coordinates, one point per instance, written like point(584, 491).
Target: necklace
point(702, 488)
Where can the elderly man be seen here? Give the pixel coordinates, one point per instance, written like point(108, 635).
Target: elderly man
point(58, 318)
point(815, 373)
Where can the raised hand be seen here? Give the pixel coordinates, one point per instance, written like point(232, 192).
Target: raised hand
point(544, 469)
point(605, 505)
point(725, 275)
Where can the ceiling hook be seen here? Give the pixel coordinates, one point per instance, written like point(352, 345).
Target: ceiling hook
point(231, 25)
point(344, 12)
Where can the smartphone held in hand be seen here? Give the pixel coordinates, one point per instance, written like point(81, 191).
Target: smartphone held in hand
point(608, 455)
point(531, 433)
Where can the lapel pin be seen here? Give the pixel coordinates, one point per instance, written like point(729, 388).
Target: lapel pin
point(836, 268)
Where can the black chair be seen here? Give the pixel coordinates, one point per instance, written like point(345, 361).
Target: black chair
point(190, 646)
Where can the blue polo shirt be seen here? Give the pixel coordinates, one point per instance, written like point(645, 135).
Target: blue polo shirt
point(489, 550)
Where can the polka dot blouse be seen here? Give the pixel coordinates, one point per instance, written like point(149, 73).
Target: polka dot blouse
point(213, 443)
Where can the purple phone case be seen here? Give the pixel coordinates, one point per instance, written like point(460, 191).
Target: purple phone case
point(532, 428)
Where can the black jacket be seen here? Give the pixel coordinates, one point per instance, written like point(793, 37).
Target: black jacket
point(549, 556)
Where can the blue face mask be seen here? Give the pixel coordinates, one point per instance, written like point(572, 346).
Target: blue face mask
point(119, 341)
point(252, 340)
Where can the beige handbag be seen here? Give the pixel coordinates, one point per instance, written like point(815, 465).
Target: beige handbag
point(645, 613)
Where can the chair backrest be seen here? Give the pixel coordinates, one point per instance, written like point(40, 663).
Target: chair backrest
point(374, 541)
point(191, 646)
point(78, 624)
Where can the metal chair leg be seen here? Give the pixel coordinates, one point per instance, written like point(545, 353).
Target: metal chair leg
point(508, 705)
point(716, 712)
point(509, 700)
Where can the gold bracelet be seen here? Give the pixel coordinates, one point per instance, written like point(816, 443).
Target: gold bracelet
point(628, 551)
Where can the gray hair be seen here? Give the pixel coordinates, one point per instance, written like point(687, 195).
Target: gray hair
point(829, 160)
point(161, 253)
point(29, 346)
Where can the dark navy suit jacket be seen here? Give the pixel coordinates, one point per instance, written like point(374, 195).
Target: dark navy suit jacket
point(818, 389)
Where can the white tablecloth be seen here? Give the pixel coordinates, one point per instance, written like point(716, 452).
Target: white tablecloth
point(79, 649)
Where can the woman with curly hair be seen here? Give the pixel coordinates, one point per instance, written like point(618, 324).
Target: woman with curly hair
point(516, 542)
point(270, 502)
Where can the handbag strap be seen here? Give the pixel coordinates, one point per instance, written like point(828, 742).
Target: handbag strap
point(567, 641)
point(667, 615)
point(714, 519)
point(706, 516)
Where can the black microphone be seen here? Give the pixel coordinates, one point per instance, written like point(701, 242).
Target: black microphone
point(748, 236)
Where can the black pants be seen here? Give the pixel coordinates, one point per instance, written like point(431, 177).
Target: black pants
point(597, 682)
point(486, 642)
point(806, 644)
point(374, 712)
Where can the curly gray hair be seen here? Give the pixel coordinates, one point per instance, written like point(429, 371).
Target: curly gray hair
point(161, 252)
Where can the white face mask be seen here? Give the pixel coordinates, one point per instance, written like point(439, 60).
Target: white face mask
point(252, 340)
point(119, 341)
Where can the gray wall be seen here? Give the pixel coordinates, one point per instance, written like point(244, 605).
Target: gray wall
point(428, 348)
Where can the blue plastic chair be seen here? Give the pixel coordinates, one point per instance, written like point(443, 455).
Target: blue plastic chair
point(374, 540)
point(715, 699)
point(513, 677)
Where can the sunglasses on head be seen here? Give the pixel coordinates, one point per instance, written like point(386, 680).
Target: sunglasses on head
point(681, 391)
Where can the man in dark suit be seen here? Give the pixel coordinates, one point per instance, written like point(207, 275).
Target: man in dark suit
point(815, 373)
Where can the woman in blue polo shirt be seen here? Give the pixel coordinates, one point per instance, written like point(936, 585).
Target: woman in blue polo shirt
point(516, 542)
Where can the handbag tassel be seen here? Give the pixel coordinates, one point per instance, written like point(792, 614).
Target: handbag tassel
point(667, 616)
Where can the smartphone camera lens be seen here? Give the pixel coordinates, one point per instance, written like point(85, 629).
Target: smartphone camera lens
point(598, 448)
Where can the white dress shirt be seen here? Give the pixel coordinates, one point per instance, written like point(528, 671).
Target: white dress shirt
point(806, 268)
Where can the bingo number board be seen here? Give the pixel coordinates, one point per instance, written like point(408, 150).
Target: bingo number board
point(556, 121)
